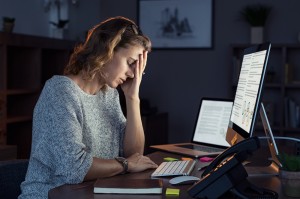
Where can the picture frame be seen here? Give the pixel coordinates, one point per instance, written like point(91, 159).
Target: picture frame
point(177, 24)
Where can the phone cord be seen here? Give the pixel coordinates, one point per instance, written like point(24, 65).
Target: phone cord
point(249, 191)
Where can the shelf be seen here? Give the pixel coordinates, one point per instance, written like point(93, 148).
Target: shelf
point(24, 67)
point(272, 85)
point(22, 91)
point(291, 130)
point(26, 63)
point(292, 85)
point(12, 120)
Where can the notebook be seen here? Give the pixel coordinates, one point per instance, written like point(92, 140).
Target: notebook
point(210, 130)
point(130, 186)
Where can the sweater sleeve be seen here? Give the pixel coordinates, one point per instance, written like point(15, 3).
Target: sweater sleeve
point(121, 120)
point(59, 121)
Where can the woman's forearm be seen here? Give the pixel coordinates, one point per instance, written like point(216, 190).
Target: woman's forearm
point(134, 139)
point(101, 168)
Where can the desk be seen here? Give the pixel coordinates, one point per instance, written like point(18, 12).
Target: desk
point(85, 189)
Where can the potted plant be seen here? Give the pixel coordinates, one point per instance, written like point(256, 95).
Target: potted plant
point(289, 173)
point(256, 16)
point(8, 24)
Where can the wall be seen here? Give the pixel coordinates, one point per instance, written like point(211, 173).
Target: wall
point(175, 80)
point(83, 17)
point(32, 19)
point(30, 16)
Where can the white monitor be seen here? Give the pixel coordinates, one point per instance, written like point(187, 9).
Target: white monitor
point(248, 93)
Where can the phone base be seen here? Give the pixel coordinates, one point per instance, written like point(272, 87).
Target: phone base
point(270, 170)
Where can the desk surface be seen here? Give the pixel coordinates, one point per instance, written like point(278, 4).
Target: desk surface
point(85, 189)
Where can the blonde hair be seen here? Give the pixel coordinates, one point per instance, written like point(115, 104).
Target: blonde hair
point(101, 43)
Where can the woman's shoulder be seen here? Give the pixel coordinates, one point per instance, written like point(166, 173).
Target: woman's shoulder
point(59, 86)
point(59, 80)
point(59, 83)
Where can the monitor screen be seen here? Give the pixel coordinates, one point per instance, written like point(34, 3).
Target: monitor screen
point(248, 93)
point(212, 121)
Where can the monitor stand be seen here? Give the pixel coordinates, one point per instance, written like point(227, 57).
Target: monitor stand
point(273, 167)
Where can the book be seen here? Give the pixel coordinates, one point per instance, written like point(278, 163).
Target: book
point(129, 186)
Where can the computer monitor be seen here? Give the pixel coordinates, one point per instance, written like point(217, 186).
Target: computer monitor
point(248, 93)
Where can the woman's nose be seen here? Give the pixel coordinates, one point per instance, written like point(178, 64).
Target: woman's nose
point(130, 73)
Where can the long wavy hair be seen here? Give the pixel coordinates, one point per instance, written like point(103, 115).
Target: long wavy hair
point(102, 41)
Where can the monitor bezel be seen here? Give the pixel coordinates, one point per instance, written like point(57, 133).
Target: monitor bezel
point(235, 133)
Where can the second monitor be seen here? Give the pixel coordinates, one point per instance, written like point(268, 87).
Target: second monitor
point(248, 93)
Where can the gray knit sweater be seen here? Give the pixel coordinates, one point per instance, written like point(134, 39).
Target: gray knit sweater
point(70, 127)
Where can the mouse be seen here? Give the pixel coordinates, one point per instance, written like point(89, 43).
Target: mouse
point(180, 180)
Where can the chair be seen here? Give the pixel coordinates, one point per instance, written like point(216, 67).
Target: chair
point(12, 174)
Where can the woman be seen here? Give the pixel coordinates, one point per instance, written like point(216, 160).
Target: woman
point(79, 130)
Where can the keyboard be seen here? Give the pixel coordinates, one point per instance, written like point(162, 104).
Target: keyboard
point(174, 168)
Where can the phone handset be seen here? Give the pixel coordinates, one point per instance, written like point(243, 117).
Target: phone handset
point(249, 145)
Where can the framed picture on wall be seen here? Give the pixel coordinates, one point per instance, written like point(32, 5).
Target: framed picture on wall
point(176, 24)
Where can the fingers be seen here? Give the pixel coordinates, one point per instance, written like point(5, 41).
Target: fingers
point(145, 58)
point(140, 65)
point(152, 165)
point(142, 62)
point(142, 159)
point(138, 162)
point(146, 160)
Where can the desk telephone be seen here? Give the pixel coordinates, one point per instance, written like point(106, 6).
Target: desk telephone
point(227, 173)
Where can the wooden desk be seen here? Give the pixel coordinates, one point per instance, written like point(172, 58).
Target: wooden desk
point(85, 190)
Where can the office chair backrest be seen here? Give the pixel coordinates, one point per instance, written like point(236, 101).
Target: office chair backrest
point(12, 174)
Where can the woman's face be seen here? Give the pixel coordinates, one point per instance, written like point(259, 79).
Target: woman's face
point(122, 65)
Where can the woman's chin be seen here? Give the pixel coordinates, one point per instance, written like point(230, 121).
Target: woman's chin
point(113, 85)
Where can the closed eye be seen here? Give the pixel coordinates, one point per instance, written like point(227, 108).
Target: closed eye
point(132, 63)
